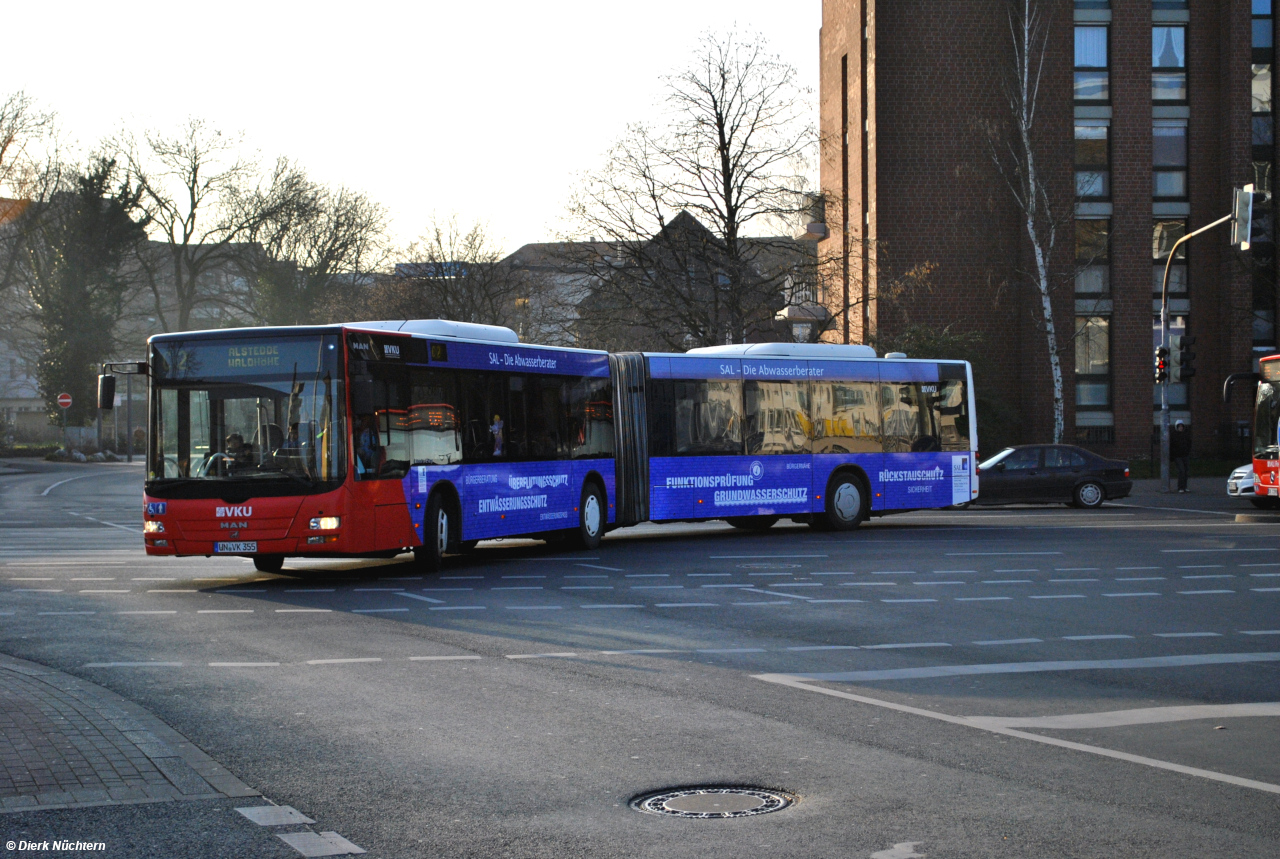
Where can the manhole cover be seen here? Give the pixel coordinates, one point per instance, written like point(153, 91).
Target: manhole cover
point(768, 566)
point(712, 803)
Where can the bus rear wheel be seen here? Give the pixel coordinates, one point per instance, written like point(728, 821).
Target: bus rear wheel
point(752, 523)
point(591, 517)
point(435, 536)
point(846, 503)
point(268, 563)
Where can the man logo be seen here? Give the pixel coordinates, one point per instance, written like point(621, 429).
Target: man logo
point(757, 470)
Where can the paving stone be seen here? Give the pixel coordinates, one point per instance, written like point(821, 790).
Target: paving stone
point(64, 741)
point(322, 844)
point(274, 815)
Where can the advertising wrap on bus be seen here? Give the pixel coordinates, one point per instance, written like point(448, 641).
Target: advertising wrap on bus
point(516, 497)
point(711, 487)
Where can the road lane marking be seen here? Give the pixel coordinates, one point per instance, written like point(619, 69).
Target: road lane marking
point(622, 652)
point(375, 610)
point(1270, 564)
point(96, 579)
point(1142, 716)
point(457, 608)
point(77, 477)
point(440, 658)
point(132, 665)
point(1187, 634)
point(59, 613)
point(608, 605)
point(517, 588)
point(586, 587)
point(1011, 641)
point(1194, 593)
point(524, 577)
point(310, 590)
point(754, 557)
point(448, 589)
point(926, 672)
point(244, 664)
point(815, 602)
point(1094, 637)
point(909, 600)
point(173, 591)
point(939, 583)
point(171, 611)
point(37, 590)
point(343, 661)
point(1006, 581)
point(1135, 594)
point(460, 578)
point(765, 602)
point(980, 599)
point(1218, 576)
point(1057, 597)
point(685, 604)
point(1260, 632)
point(823, 647)
point(1076, 569)
point(864, 585)
point(992, 554)
point(656, 587)
point(1008, 571)
point(1142, 579)
point(303, 610)
point(102, 591)
point(797, 682)
point(225, 611)
point(539, 655)
point(730, 650)
point(598, 567)
point(1193, 551)
point(1064, 581)
point(419, 597)
point(903, 646)
point(1134, 569)
point(533, 607)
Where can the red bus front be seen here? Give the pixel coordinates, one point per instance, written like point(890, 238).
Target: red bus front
point(1266, 429)
point(249, 451)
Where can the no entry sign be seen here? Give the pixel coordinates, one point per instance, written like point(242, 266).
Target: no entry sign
point(64, 401)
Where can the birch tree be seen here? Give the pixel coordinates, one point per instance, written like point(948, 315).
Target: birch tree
point(678, 205)
point(1015, 157)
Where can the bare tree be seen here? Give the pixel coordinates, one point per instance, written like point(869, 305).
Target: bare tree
point(454, 273)
point(195, 186)
point(22, 124)
point(681, 207)
point(306, 242)
point(1014, 155)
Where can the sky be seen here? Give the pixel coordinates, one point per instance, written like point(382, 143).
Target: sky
point(484, 110)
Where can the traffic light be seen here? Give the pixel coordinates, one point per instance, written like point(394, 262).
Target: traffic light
point(1162, 364)
point(1242, 220)
point(1181, 366)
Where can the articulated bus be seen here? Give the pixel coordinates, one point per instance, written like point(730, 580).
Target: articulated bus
point(371, 439)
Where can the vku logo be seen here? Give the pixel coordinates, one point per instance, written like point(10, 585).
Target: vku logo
point(236, 512)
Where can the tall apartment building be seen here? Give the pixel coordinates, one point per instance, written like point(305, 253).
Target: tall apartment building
point(1149, 113)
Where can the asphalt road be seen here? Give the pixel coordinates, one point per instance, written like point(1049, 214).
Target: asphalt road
point(908, 683)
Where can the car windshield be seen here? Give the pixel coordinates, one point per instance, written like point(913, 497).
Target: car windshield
point(248, 410)
point(999, 457)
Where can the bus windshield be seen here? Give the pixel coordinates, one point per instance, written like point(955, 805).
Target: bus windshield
point(248, 410)
point(1266, 416)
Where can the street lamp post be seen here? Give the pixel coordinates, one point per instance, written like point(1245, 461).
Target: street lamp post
point(1241, 223)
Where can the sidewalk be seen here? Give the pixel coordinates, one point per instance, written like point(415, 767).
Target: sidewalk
point(67, 743)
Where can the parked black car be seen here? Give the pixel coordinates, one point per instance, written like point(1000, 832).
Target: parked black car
point(1048, 473)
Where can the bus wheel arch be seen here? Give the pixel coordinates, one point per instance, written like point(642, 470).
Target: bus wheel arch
point(441, 527)
point(593, 511)
point(848, 499)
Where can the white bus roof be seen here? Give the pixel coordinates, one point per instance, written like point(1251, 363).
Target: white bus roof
point(789, 350)
point(444, 328)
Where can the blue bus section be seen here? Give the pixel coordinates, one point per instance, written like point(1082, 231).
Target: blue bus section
point(910, 480)
point(713, 487)
point(501, 357)
point(502, 499)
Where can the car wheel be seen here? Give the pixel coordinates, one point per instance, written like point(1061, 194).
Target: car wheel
point(1090, 495)
point(752, 523)
point(268, 563)
point(846, 503)
point(591, 517)
point(435, 536)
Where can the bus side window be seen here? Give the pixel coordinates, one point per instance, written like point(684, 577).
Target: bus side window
point(908, 417)
point(435, 430)
point(846, 417)
point(590, 414)
point(661, 406)
point(776, 417)
point(951, 414)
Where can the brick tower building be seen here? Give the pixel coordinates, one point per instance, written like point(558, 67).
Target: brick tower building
point(1149, 113)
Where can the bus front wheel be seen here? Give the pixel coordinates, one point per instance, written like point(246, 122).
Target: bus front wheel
point(268, 563)
point(435, 536)
point(591, 517)
point(846, 503)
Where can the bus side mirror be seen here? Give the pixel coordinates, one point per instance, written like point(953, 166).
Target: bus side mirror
point(106, 391)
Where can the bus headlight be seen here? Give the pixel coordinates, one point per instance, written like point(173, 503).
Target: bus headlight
point(326, 523)
point(152, 527)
